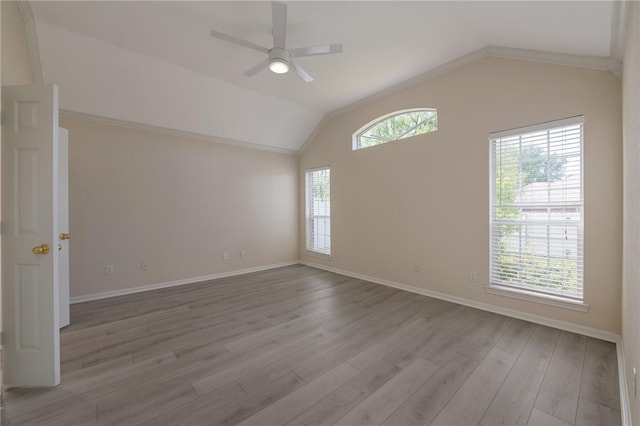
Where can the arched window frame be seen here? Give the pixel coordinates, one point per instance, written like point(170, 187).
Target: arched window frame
point(356, 143)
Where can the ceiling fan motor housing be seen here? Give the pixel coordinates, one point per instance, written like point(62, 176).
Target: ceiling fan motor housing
point(279, 60)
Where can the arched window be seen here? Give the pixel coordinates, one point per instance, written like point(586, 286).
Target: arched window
point(397, 125)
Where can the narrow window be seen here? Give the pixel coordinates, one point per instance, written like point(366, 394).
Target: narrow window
point(394, 126)
point(318, 194)
point(537, 210)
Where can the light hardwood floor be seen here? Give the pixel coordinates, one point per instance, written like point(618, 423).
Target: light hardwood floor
point(300, 346)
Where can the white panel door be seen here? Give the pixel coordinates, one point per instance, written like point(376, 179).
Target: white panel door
point(30, 302)
point(63, 225)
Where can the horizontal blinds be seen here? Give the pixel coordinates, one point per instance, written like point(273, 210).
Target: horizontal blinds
point(318, 195)
point(537, 239)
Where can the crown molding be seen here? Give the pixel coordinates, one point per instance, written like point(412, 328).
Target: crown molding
point(612, 64)
point(64, 113)
point(618, 29)
point(32, 40)
point(315, 132)
point(618, 32)
point(432, 73)
point(579, 61)
point(599, 63)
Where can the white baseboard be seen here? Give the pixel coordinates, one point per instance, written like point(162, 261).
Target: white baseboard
point(562, 325)
point(538, 319)
point(132, 290)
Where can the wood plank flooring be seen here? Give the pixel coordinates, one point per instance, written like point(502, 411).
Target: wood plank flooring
point(301, 346)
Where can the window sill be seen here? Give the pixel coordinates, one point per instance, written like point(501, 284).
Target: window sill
point(538, 298)
point(318, 254)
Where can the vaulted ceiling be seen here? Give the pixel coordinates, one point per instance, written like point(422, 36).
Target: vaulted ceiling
point(155, 64)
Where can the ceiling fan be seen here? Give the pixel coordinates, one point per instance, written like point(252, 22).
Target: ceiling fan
point(279, 58)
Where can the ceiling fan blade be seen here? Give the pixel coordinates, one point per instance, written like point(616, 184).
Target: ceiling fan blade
point(258, 67)
point(236, 40)
point(316, 50)
point(302, 73)
point(279, 18)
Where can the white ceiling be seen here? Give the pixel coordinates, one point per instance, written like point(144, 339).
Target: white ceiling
point(385, 43)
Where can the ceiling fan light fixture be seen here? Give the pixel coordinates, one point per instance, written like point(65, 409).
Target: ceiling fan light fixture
point(278, 66)
point(279, 60)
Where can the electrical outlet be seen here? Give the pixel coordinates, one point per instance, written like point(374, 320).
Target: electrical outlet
point(473, 277)
point(108, 270)
point(225, 255)
point(144, 266)
point(243, 254)
point(417, 268)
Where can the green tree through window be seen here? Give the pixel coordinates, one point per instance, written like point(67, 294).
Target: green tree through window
point(537, 209)
point(318, 210)
point(398, 125)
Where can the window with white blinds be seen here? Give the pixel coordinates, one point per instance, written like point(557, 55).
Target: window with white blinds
point(537, 209)
point(318, 200)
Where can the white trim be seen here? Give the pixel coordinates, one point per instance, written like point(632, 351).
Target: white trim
point(442, 69)
point(355, 138)
point(32, 40)
point(615, 68)
point(611, 63)
point(618, 29)
point(315, 132)
point(140, 289)
point(64, 113)
point(538, 319)
point(625, 409)
point(318, 254)
point(531, 296)
point(599, 63)
point(315, 169)
point(587, 331)
point(308, 218)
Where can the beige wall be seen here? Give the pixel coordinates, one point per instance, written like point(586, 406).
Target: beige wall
point(16, 65)
point(171, 202)
point(631, 270)
point(425, 200)
point(174, 203)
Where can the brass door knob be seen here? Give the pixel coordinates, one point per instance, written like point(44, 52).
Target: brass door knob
point(43, 249)
point(64, 236)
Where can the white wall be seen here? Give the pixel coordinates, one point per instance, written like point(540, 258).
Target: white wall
point(174, 203)
point(425, 200)
point(631, 270)
point(105, 80)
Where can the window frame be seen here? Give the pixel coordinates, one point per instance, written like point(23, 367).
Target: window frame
point(356, 144)
point(524, 291)
point(310, 217)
